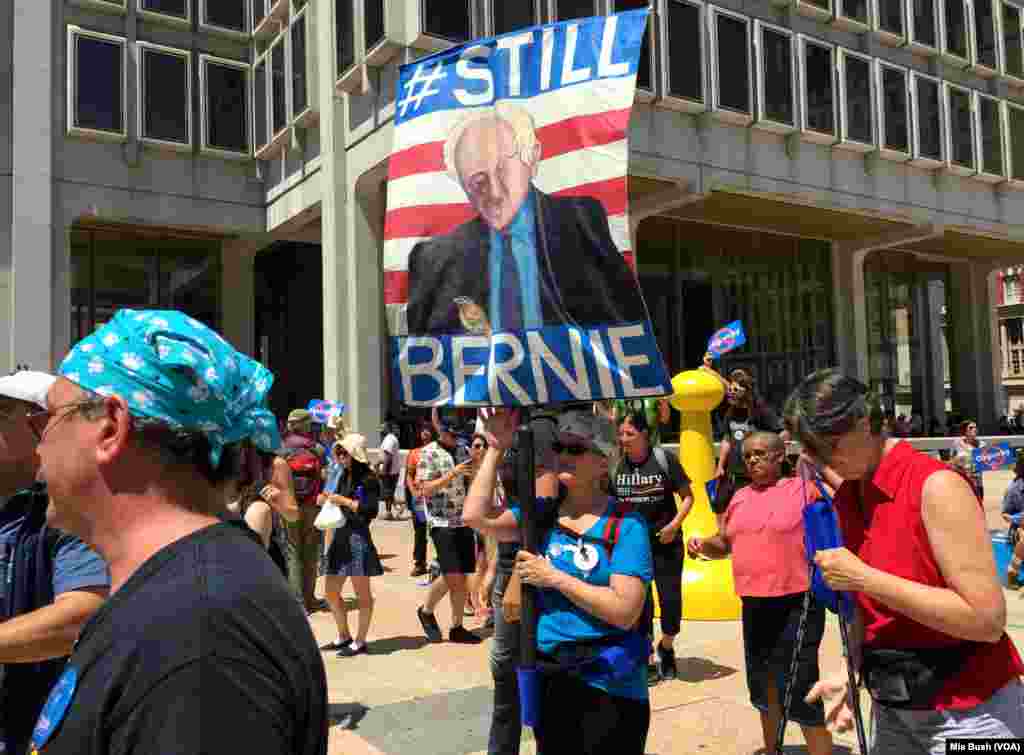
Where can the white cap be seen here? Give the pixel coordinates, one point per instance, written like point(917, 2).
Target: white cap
point(27, 386)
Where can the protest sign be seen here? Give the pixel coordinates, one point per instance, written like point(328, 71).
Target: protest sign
point(732, 336)
point(507, 250)
point(994, 458)
point(321, 410)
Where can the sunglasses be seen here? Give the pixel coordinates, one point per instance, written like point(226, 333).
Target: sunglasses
point(573, 449)
point(479, 446)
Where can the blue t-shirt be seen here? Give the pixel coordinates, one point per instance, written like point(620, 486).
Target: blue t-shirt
point(75, 565)
point(562, 621)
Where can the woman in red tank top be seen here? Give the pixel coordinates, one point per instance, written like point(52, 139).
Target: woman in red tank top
point(930, 639)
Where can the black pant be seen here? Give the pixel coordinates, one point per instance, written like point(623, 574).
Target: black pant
point(578, 718)
point(506, 729)
point(668, 576)
point(419, 532)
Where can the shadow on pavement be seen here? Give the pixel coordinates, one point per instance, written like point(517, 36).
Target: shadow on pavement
point(385, 556)
point(390, 645)
point(701, 670)
point(837, 749)
point(346, 715)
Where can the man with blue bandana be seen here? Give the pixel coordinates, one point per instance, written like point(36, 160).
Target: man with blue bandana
point(201, 631)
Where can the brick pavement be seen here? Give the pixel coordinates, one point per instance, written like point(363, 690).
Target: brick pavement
point(407, 697)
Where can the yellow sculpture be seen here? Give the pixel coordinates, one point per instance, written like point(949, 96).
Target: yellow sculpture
point(708, 591)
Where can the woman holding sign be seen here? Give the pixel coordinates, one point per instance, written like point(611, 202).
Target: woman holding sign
point(931, 638)
point(592, 580)
point(966, 445)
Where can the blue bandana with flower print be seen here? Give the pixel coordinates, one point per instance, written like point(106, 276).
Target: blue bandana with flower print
point(171, 368)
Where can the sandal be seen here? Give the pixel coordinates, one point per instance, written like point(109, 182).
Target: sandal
point(337, 645)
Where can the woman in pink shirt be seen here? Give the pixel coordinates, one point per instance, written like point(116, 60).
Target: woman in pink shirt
point(764, 534)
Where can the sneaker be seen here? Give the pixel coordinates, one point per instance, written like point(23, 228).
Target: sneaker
point(463, 636)
point(430, 626)
point(348, 650)
point(418, 570)
point(336, 645)
point(666, 662)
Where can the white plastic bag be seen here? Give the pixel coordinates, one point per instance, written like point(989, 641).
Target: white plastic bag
point(330, 517)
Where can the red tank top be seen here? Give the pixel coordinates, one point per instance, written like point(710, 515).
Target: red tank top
point(878, 529)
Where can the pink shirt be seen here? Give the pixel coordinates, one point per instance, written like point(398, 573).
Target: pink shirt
point(766, 530)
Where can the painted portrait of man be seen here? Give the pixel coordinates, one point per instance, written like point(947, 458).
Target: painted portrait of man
point(527, 259)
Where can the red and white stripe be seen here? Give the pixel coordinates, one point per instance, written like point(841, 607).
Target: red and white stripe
point(584, 152)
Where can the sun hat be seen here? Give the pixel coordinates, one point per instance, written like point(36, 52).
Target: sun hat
point(28, 386)
point(597, 430)
point(173, 369)
point(298, 416)
point(355, 444)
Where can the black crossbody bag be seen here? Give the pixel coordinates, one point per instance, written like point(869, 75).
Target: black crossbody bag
point(910, 679)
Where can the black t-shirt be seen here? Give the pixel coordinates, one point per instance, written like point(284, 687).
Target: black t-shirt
point(203, 650)
point(739, 424)
point(648, 490)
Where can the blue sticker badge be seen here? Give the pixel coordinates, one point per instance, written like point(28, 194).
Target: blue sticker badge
point(56, 708)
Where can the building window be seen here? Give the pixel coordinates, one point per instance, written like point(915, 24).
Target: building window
point(278, 89)
point(300, 98)
point(985, 34)
point(1011, 289)
point(447, 19)
point(895, 110)
point(955, 35)
point(261, 133)
point(165, 94)
point(923, 23)
point(819, 87)
point(775, 76)
point(226, 14)
point(960, 117)
point(174, 8)
point(928, 116)
point(891, 17)
point(684, 45)
point(225, 99)
point(97, 82)
point(1015, 126)
point(732, 62)
point(259, 12)
point(855, 10)
point(345, 36)
point(858, 99)
point(512, 16)
point(566, 10)
point(990, 127)
point(643, 71)
point(373, 22)
point(1013, 50)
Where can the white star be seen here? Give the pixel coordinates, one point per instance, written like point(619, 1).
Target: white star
point(87, 347)
point(111, 339)
point(96, 366)
point(143, 398)
point(132, 361)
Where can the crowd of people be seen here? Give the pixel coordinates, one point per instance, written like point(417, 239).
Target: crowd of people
point(164, 542)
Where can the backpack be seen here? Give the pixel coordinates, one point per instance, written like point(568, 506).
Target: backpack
point(307, 472)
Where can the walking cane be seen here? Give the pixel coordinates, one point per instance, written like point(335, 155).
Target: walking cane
point(821, 531)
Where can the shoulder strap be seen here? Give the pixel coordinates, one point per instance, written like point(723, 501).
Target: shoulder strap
point(613, 525)
point(662, 458)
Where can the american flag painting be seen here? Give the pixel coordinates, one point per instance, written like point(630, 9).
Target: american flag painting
point(507, 255)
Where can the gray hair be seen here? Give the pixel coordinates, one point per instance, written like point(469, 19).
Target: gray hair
point(828, 404)
point(518, 119)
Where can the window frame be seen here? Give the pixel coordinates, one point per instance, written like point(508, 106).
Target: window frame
point(71, 88)
point(276, 14)
point(844, 141)
point(812, 11)
point(1017, 78)
point(140, 109)
point(888, 153)
point(385, 49)
point(923, 48)
point(427, 41)
point(852, 24)
point(539, 9)
point(887, 36)
point(806, 132)
point(216, 29)
point(115, 7)
point(643, 94)
point(310, 114)
point(726, 114)
point(275, 139)
point(762, 121)
point(979, 68)
point(205, 60)
point(257, 149)
point(165, 18)
point(1008, 160)
point(958, 168)
point(676, 101)
point(981, 174)
point(962, 61)
point(915, 139)
point(351, 79)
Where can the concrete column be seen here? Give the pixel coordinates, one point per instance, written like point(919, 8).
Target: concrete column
point(935, 353)
point(970, 345)
point(32, 232)
point(849, 312)
point(6, 121)
point(237, 294)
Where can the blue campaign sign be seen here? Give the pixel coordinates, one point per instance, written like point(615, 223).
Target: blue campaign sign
point(322, 410)
point(508, 258)
point(994, 458)
point(725, 339)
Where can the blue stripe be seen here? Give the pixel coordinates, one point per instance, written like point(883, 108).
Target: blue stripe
point(484, 76)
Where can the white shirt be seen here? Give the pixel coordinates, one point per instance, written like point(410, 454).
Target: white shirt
point(390, 446)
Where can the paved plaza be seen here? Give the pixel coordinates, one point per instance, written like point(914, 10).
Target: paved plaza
point(407, 697)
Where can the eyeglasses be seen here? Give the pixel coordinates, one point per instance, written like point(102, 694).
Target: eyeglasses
point(39, 420)
point(574, 449)
point(756, 455)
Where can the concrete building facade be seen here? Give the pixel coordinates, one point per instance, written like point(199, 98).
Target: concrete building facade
point(843, 175)
point(1010, 316)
